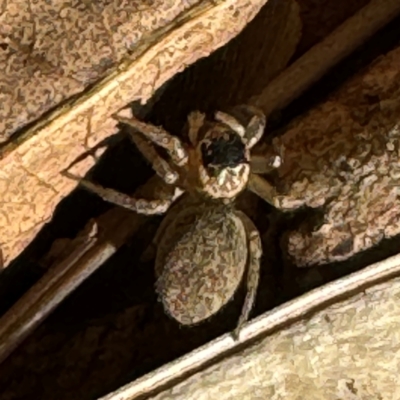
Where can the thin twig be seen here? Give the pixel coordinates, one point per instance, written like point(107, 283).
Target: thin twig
point(43, 297)
point(58, 283)
point(309, 68)
point(112, 230)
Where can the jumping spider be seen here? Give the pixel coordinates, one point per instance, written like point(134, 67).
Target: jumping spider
point(204, 245)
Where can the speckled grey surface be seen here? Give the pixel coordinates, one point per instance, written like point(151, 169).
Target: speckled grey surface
point(348, 351)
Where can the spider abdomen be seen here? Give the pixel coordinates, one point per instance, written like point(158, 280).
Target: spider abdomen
point(200, 263)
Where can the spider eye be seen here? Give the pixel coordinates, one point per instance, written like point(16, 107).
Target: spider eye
point(222, 151)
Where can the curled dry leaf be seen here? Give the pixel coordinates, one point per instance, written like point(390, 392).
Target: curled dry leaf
point(144, 46)
point(53, 50)
point(309, 359)
point(344, 156)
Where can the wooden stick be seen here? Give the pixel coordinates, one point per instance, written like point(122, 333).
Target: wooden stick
point(101, 239)
point(43, 297)
point(314, 64)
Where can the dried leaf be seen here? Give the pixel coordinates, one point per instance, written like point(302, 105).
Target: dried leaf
point(344, 156)
point(53, 50)
point(311, 359)
point(30, 181)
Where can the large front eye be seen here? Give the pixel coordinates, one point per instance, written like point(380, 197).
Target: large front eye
point(213, 170)
point(222, 151)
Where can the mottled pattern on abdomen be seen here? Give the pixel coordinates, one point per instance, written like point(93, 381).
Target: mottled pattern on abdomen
point(200, 262)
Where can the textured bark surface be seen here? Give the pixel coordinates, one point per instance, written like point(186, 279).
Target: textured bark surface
point(350, 350)
point(30, 180)
point(343, 156)
point(53, 50)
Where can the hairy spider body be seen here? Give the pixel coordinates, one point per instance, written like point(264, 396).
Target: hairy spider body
point(204, 245)
point(201, 259)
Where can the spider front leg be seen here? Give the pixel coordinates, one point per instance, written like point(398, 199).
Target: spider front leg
point(161, 167)
point(141, 206)
point(262, 188)
point(256, 126)
point(247, 121)
point(160, 137)
point(253, 269)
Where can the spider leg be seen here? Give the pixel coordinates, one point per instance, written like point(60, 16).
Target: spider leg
point(248, 121)
point(268, 157)
point(265, 164)
point(195, 121)
point(161, 167)
point(253, 271)
point(160, 137)
point(256, 126)
point(263, 189)
point(141, 206)
point(232, 122)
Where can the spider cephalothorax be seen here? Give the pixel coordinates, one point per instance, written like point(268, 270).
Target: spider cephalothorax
point(224, 169)
point(223, 149)
point(204, 245)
